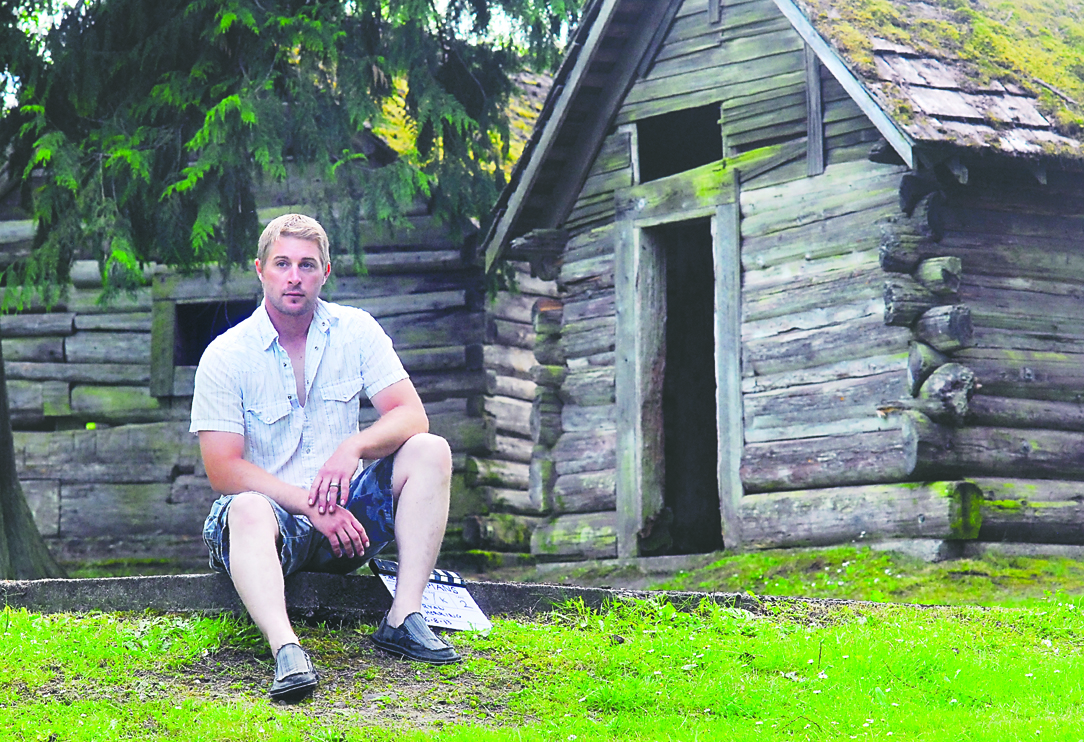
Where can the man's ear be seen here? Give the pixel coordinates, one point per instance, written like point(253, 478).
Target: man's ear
point(327, 271)
point(259, 269)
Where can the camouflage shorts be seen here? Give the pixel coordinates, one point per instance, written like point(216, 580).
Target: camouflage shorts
point(303, 547)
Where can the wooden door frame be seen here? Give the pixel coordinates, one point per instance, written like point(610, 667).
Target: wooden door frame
point(709, 192)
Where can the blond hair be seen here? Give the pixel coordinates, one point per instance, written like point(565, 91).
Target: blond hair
point(294, 225)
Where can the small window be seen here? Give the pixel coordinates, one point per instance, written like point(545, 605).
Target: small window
point(675, 142)
point(199, 324)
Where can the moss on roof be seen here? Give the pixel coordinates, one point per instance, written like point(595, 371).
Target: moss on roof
point(1037, 44)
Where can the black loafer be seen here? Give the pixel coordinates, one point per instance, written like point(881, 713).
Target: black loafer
point(414, 640)
point(295, 676)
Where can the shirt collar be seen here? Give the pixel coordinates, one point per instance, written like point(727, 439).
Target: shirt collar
point(323, 318)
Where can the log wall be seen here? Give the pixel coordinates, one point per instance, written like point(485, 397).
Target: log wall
point(105, 458)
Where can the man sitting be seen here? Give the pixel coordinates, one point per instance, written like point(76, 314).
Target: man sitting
point(276, 408)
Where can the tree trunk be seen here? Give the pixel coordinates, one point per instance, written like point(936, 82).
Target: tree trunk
point(23, 553)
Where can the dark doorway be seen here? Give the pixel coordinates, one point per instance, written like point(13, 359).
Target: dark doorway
point(689, 405)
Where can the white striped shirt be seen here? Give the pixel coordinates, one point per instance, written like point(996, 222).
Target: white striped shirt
point(245, 384)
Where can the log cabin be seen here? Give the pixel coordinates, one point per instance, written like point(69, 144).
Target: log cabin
point(101, 393)
point(803, 273)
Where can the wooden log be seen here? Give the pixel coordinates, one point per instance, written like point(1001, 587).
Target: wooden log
point(906, 300)
point(588, 386)
point(511, 415)
point(1007, 412)
point(33, 349)
point(512, 307)
point(437, 385)
point(576, 419)
point(474, 435)
point(546, 316)
point(890, 454)
point(819, 517)
point(585, 492)
point(90, 373)
point(117, 404)
point(594, 272)
point(89, 510)
point(774, 292)
point(125, 322)
point(542, 476)
point(509, 361)
point(585, 536)
point(1033, 375)
point(496, 473)
point(36, 325)
point(452, 357)
point(498, 500)
point(545, 420)
point(821, 403)
point(1019, 452)
point(1031, 510)
point(921, 362)
point(509, 386)
point(940, 275)
point(500, 531)
point(433, 329)
point(946, 328)
point(108, 347)
point(589, 337)
point(513, 334)
point(947, 393)
point(851, 368)
point(511, 448)
point(589, 306)
point(548, 376)
point(818, 240)
point(576, 453)
point(549, 351)
point(857, 338)
point(906, 240)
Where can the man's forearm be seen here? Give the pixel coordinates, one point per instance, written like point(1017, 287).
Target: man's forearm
point(389, 432)
point(244, 476)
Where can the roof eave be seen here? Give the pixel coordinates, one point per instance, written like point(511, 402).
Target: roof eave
point(894, 135)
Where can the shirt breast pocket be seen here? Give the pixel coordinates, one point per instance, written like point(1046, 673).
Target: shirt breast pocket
point(342, 402)
point(264, 421)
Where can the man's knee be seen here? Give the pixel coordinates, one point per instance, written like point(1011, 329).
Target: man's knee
point(430, 451)
point(251, 513)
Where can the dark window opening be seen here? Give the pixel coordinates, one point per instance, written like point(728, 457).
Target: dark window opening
point(199, 324)
point(689, 405)
point(675, 142)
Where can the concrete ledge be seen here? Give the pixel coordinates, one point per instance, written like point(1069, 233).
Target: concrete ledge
point(316, 597)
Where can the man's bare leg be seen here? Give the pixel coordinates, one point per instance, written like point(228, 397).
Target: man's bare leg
point(254, 567)
point(421, 479)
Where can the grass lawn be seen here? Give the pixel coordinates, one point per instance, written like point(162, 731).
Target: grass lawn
point(638, 670)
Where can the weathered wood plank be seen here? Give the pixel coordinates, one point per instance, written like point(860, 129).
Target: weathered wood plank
point(509, 501)
point(90, 510)
point(496, 473)
point(1011, 452)
point(866, 366)
point(860, 458)
point(589, 337)
point(832, 236)
point(117, 403)
point(576, 453)
point(1031, 510)
point(433, 329)
point(585, 492)
point(576, 419)
point(382, 307)
point(1009, 412)
point(501, 531)
point(33, 349)
point(817, 517)
point(123, 322)
point(824, 345)
point(511, 448)
point(512, 415)
point(589, 386)
point(36, 325)
point(451, 357)
point(584, 536)
point(841, 399)
point(509, 386)
point(694, 192)
point(1027, 374)
point(109, 347)
point(434, 385)
point(506, 361)
point(43, 497)
point(813, 303)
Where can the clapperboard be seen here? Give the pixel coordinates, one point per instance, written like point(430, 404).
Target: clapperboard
point(445, 601)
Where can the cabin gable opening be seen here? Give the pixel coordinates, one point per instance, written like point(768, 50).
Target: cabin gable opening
point(690, 439)
point(201, 322)
point(675, 142)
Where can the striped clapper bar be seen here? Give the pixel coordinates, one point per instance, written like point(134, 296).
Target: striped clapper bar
point(445, 601)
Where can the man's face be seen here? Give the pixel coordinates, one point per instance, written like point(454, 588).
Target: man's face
point(292, 276)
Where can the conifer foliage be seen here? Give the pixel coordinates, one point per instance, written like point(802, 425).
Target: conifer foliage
point(149, 125)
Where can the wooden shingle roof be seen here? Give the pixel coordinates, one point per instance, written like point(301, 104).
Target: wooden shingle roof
point(991, 75)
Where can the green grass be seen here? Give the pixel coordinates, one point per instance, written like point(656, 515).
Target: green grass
point(638, 670)
point(859, 573)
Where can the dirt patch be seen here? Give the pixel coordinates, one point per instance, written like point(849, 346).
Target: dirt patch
point(359, 685)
